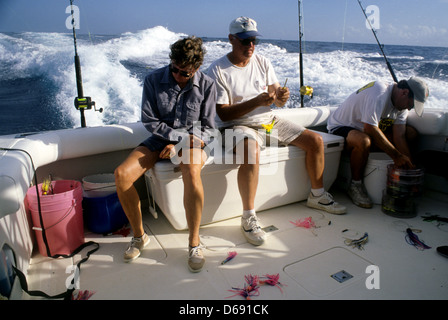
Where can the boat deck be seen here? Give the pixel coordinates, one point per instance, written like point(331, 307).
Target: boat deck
point(305, 259)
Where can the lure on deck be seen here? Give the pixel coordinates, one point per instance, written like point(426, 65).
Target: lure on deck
point(272, 280)
point(413, 240)
point(83, 295)
point(357, 243)
point(230, 256)
point(306, 223)
point(251, 288)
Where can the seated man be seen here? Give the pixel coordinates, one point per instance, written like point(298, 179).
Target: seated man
point(247, 86)
point(375, 115)
point(174, 98)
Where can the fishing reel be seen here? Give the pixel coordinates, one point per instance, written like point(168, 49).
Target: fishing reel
point(86, 103)
point(307, 91)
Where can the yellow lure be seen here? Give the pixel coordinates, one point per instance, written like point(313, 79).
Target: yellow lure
point(268, 127)
point(47, 187)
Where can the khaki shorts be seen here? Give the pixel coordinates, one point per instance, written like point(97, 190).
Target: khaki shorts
point(282, 133)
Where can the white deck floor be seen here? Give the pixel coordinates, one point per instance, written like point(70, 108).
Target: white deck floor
point(303, 259)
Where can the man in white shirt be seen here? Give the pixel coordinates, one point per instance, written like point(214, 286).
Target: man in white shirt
point(246, 88)
point(375, 115)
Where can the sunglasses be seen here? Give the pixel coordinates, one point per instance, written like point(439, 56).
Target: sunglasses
point(184, 74)
point(248, 42)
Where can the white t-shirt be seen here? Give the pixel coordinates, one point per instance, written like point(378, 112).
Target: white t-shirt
point(239, 84)
point(372, 104)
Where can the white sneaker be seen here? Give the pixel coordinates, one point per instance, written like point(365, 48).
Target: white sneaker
point(252, 230)
point(358, 194)
point(196, 258)
point(325, 202)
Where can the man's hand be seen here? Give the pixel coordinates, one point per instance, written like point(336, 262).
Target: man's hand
point(282, 94)
point(404, 162)
point(265, 99)
point(168, 152)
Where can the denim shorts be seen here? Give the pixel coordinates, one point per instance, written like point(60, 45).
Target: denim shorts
point(154, 143)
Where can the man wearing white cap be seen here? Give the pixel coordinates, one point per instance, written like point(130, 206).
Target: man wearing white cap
point(246, 88)
point(375, 115)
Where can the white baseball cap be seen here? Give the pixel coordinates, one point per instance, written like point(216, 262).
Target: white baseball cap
point(421, 92)
point(244, 28)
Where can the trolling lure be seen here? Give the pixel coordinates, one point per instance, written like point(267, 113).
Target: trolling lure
point(306, 223)
point(434, 217)
point(251, 288)
point(272, 280)
point(83, 295)
point(47, 187)
point(268, 127)
point(230, 256)
point(356, 243)
point(413, 240)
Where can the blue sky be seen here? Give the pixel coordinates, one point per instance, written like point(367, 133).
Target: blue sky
point(408, 22)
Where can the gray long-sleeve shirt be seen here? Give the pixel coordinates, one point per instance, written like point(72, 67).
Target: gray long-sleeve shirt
point(170, 113)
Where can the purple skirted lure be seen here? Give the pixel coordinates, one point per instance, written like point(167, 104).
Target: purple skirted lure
point(413, 239)
point(251, 288)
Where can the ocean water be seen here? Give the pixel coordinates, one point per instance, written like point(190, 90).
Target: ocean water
point(38, 83)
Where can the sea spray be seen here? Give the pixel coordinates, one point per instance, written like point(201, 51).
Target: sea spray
point(37, 73)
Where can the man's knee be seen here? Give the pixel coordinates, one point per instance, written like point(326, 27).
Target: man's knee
point(248, 152)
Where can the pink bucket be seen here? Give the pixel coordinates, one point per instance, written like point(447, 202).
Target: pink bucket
point(61, 215)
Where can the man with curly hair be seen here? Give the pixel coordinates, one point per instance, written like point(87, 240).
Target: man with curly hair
point(176, 98)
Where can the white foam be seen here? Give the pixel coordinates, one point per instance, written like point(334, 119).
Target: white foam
point(334, 75)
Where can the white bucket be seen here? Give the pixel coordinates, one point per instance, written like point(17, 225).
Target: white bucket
point(99, 185)
point(375, 175)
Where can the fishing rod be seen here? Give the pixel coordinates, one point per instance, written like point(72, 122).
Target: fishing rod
point(300, 53)
point(81, 103)
point(304, 90)
point(379, 44)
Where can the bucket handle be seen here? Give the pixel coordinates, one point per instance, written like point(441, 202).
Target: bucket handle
point(370, 172)
point(60, 220)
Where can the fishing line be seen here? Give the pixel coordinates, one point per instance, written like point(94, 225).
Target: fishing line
point(433, 74)
point(345, 22)
point(86, 21)
point(304, 90)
